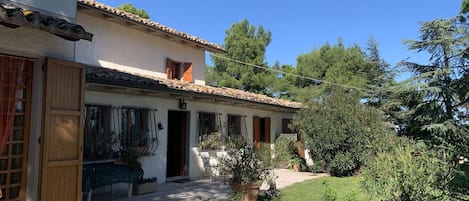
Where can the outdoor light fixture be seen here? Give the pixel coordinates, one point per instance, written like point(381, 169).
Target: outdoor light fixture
point(182, 104)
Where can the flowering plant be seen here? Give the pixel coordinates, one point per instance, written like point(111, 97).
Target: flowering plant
point(242, 163)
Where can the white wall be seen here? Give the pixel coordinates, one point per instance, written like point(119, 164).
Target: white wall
point(65, 8)
point(29, 42)
point(156, 165)
point(125, 48)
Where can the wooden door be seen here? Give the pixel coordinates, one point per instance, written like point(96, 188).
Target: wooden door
point(62, 136)
point(256, 125)
point(266, 133)
point(177, 152)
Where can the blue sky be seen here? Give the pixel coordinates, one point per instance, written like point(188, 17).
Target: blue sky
point(298, 26)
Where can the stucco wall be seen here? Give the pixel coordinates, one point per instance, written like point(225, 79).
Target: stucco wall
point(66, 8)
point(29, 42)
point(125, 48)
point(156, 165)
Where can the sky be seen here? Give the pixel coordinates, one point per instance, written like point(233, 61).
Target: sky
point(299, 26)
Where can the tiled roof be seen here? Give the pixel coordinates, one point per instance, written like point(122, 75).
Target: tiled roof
point(102, 75)
point(153, 25)
point(14, 17)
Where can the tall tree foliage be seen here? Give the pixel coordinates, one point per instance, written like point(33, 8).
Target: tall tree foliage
point(437, 111)
point(128, 7)
point(347, 66)
point(246, 43)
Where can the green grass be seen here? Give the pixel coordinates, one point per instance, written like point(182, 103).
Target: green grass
point(313, 190)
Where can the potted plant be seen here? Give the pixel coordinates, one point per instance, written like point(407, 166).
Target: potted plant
point(246, 171)
point(145, 185)
point(296, 163)
point(210, 143)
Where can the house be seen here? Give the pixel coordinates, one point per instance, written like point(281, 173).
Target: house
point(92, 81)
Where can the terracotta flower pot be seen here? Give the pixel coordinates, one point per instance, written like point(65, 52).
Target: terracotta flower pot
point(296, 167)
point(249, 192)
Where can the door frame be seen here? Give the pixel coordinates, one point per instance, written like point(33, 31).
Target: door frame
point(185, 147)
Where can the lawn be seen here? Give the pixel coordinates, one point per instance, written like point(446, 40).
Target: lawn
point(313, 190)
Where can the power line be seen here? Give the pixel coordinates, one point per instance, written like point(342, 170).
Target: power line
point(292, 74)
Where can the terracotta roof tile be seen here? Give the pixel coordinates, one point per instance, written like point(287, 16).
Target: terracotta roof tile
point(14, 17)
point(154, 25)
point(104, 75)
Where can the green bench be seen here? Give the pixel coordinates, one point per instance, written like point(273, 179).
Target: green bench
point(104, 173)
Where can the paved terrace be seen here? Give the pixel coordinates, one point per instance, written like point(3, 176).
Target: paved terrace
point(199, 190)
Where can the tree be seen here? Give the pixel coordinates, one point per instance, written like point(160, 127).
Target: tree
point(339, 131)
point(246, 43)
point(443, 85)
point(337, 64)
point(128, 7)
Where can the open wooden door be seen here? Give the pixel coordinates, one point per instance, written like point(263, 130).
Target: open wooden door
point(266, 134)
point(62, 136)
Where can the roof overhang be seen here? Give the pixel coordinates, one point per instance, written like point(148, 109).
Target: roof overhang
point(133, 21)
point(14, 17)
point(112, 81)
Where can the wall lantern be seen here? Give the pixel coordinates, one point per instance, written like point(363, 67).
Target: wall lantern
point(182, 104)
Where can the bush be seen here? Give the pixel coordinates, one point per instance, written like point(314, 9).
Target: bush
point(340, 131)
point(284, 148)
point(405, 173)
point(343, 165)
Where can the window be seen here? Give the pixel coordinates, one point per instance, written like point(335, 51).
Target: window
point(234, 125)
point(176, 70)
point(134, 127)
point(207, 123)
point(16, 76)
point(98, 139)
point(286, 126)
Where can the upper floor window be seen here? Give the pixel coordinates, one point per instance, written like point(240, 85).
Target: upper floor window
point(176, 70)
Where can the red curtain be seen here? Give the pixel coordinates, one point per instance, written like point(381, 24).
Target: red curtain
point(12, 82)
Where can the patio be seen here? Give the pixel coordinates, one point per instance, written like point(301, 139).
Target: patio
point(203, 189)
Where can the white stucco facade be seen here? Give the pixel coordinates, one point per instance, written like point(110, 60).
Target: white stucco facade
point(125, 48)
point(156, 165)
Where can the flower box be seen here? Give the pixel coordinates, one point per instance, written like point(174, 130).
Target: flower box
point(144, 188)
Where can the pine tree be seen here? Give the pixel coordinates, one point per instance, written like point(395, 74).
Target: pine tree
point(246, 43)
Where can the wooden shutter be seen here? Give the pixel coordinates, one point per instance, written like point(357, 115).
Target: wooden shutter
point(169, 68)
point(62, 136)
point(256, 125)
point(266, 130)
point(187, 76)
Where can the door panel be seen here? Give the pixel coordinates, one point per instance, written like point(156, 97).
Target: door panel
point(61, 169)
point(256, 125)
point(176, 164)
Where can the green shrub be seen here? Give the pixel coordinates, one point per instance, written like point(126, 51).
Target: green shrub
point(340, 131)
point(405, 173)
point(284, 147)
point(343, 165)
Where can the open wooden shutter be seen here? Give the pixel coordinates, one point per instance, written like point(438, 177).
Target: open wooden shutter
point(187, 76)
point(169, 68)
point(62, 135)
point(256, 125)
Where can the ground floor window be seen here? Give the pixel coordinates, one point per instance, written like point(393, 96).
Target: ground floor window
point(98, 139)
point(15, 102)
point(234, 125)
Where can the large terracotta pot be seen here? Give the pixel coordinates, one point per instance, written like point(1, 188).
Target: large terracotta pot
point(249, 192)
